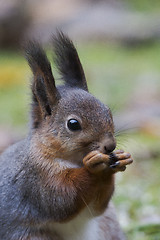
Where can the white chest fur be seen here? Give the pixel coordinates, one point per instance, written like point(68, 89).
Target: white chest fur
point(83, 227)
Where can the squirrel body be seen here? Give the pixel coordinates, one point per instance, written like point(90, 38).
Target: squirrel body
point(57, 183)
point(14, 210)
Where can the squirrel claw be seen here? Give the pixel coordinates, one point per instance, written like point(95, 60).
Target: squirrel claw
point(114, 165)
point(119, 159)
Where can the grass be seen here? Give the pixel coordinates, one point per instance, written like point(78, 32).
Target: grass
point(147, 232)
point(113, 74)
point(144, 5)
point(14, 106)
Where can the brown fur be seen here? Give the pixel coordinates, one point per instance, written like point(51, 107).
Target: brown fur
point(90, 188)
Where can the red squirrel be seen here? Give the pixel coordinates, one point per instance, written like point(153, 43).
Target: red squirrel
point(57, 183)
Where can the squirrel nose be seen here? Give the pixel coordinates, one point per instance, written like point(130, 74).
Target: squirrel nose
point(108, 146)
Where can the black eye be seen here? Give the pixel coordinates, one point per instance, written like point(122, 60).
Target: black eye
point(73, 125)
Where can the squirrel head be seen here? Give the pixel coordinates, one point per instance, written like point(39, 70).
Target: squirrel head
point(67, 121)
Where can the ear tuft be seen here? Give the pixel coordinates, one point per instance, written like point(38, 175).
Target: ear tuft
point(41, 67)
point(68, 62)
point(45, 93)
point(36, 57)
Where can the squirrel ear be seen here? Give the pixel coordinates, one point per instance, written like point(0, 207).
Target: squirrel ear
point(68, 62)
point(45, 93)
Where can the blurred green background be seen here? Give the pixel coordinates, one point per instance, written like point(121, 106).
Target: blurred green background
point(126, 76)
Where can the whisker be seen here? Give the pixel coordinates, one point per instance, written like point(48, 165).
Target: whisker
point(124, 130)
point(114, 108)
point(87, 207)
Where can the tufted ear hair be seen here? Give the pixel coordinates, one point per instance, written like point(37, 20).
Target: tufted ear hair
point(45, 93)
point(68, 62)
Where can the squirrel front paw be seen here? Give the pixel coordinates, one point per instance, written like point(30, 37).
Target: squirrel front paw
point(119, 159)
point(96, 161)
